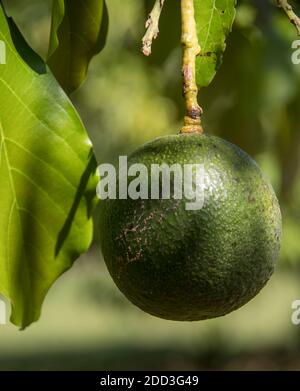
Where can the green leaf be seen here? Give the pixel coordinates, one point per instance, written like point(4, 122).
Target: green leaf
point(214, 20)
point(78, 32)
point(47, 179)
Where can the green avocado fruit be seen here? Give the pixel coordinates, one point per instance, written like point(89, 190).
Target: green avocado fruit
point(189, 265)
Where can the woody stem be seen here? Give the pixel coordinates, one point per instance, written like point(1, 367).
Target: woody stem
point(191, 49)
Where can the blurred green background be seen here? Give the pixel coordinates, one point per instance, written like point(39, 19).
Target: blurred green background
point(128, 100)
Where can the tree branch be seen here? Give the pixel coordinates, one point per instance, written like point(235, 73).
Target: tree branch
point(191, 49)
point(288, 9)
point(152, 27)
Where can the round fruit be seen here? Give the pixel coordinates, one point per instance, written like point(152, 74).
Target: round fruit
point(194, 264)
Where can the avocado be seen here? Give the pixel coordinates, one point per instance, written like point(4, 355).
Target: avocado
point(189, 265)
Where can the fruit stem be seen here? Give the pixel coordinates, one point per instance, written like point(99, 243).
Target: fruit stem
point(191, 49)
point(288, 9)
point(152, 27)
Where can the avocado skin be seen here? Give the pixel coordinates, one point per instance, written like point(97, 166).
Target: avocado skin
point(192, 265)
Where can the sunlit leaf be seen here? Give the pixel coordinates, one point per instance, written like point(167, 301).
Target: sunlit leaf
point(47, 181)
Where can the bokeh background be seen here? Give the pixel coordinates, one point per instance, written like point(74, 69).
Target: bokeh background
point(127, 100)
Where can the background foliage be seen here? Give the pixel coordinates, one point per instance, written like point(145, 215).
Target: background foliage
point(128, 100)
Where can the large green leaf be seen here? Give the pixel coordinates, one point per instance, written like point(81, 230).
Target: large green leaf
point(78, 33)
point(214, 20)
point(46, 175)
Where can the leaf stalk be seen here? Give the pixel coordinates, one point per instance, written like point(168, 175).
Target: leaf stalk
point(288, 9)
point(152, 26)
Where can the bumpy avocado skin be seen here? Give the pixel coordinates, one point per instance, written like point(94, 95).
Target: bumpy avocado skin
point(191, 265)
